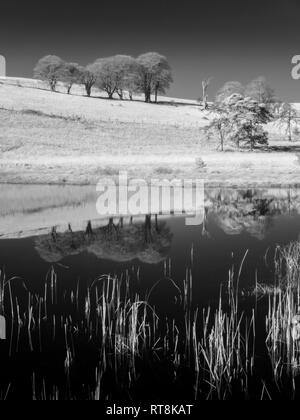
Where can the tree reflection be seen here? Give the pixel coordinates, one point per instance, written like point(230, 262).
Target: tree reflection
point(251, 211)
point(149, 242)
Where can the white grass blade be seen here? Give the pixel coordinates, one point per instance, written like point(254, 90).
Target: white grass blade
point(2, 328)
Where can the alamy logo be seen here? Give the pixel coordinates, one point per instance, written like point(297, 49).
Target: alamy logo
point(138, 196)
point(2, 66)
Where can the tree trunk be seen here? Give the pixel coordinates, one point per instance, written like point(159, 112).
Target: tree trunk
point(88, 89)
point(89, 229)
point(205, 84)
point(120, 94)
point(222, 142)
point(290, 128)
point(52, 85)
point(156, 91)
point(148, 95)
point(148, 235)
point(204, 96)
point(290, 133)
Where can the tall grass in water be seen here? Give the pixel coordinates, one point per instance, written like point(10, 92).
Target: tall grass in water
point(287, 265)
point(128, 336)
point(4, 284)
point(127, 326)
point(283, 319)
point(226, 349)
point(122, 327)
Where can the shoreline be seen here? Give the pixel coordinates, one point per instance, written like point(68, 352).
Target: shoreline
point(227, 185)
point(217, 170)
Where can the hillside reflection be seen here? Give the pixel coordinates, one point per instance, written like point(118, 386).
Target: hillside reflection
point(149, 240)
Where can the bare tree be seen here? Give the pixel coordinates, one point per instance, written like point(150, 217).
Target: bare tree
point(131, 84)
point(205, 84)
point(162, 83)
point(49, 69)
point(112, 72)
point(155, 74)
point(219, 126)
point(88, 78)
point(127, 69)
point(70, 74)
point(288, 118)
point(104, 70)
point(260, 91)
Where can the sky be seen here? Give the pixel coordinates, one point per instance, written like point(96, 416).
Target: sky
point(222, 39)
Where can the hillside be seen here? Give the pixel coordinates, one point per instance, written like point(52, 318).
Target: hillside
point(48, 137)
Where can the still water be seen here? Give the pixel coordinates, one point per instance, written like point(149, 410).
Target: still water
point(57, 227)
point(236, 221)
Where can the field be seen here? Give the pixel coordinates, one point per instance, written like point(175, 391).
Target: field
point(51, 138)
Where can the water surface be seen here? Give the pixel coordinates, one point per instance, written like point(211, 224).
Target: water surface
point(58, 227)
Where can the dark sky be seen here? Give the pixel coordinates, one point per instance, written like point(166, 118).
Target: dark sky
point(227, 40)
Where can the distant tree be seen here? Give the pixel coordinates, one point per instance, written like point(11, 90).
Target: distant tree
point(88, 78)
point(49, 69)
point(131, 84)
point(111, 74)
point(260, 91)
point(220, 126)
point(70, 74)
point(162, 83)
point(287, 117)
point(155, 74)
point(229, 89)
point(205, 84)
point(126, 68)
point(248, 117)
point(104, 71)
point(239, 120)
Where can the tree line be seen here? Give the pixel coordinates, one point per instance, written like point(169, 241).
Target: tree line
point(258, 89)
point(239, 112)
point(150, 74)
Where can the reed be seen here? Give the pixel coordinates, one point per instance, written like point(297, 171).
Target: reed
point(282, 321)
point(226, 349)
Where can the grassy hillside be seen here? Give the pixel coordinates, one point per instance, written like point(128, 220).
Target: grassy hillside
point(58, 138)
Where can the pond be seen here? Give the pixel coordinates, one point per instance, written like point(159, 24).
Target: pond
point(81, 281)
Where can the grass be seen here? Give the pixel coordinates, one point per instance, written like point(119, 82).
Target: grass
point(226, 350)
point(283, 339)
point(287, 262)
point(262, 290)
